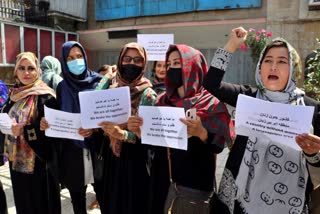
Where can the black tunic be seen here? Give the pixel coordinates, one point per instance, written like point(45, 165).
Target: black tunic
point(39, 192)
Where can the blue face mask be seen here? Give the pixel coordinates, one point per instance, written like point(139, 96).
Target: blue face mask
point(76, 66)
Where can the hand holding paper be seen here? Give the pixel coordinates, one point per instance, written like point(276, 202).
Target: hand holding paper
point(5, 123)
point(280, 122)
point(164, 127)
point(61, 124)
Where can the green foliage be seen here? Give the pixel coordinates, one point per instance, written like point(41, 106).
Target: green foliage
point(255, 42)
point(312, 82)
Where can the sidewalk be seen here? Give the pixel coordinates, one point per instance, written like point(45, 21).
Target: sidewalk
point(65, 197)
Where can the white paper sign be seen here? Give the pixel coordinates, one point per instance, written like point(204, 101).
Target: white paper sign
point(112, 105)
point(162, 127)
point(280, 122)
point(62, 124)
point(156, 45)
point(5, 124)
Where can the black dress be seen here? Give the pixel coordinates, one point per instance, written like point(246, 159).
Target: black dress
point(39, 192)
point(126, 181)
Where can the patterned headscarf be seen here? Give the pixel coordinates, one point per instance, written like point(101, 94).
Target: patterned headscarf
point(137, 87)
point(213, 113)
point(51, 70)
point(140, 83)
point(24, 111)
point(291, 93)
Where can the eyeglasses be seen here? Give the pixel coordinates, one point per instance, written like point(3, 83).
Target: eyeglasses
point(136, 60)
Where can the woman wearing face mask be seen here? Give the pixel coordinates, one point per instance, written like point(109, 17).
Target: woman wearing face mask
point(30, 153)
point(76, 169)
point(279, 182)
point(126, 178)
point(191, 171)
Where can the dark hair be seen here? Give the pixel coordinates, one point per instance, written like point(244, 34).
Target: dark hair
point(103, 68)
point(274, 44)
point(153, 67)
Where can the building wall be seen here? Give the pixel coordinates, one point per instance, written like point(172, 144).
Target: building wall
point(204, 30)
point(293, 21)
point(184, 17)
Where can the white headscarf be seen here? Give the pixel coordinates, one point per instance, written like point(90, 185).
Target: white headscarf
point(291, 93)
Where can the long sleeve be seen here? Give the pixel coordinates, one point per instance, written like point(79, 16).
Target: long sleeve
point(36, 138)
point(148, 99)
point(225, 92)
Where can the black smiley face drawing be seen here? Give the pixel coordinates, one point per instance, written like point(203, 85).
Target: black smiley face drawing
point(295, 202)
point(301, 182)
point(280, 188)
point(291, 167)
point(266, 198)
point(246, 196)
point(276, 151)
point(246, 162)
point(274, 168)
point(251, 144)
point(251, 172)
point(255, 156)
point(280, 201)
point(294, 210)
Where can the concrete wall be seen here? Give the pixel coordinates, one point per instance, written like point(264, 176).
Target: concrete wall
point(293, 21)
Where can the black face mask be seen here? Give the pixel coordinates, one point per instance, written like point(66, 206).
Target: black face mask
point(174, 76)
point(130, 72)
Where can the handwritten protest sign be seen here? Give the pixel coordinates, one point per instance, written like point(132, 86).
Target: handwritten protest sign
point(156, 45)
point(5, 124)
point(112, 105)
point(62, 124)
point(280, 122)
point(162, 127)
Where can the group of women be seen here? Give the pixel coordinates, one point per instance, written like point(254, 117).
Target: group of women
point(139, 178)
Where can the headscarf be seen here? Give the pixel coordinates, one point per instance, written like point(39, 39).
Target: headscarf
point(137, 88)
point(266, 160)
point(24, 110)
point(3, 93)
point(291, 93)
point(158, 86)
point(71, 86)
point(51, 70)
point(213, 113)
point(140, 83)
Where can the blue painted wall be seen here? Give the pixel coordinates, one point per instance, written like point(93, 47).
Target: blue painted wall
point(119, 9)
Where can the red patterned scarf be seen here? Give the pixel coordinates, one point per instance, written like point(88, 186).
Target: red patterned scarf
point(213, 113)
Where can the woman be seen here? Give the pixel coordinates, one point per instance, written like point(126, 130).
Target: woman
point(192, 170)
point(76, 169)
point(3, 99)
point(35, 189)
point(51, 71)
point(158, 74)
point(126, 177)
point(243, 186)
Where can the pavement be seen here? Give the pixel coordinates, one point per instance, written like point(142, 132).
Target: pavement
point(65, 197)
